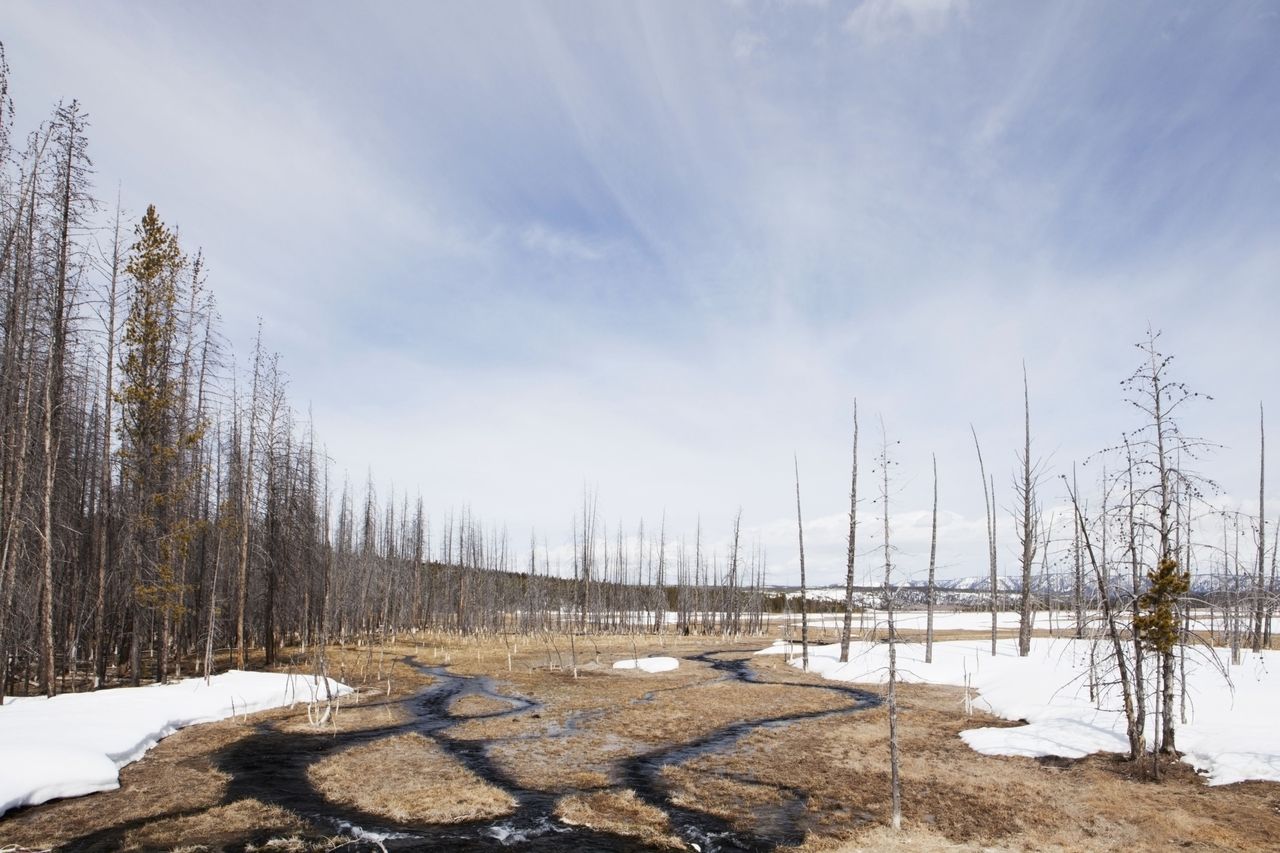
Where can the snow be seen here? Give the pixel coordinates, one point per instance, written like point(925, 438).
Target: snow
point(977, 619)
point(1230, 734)
point(655, 664)
point(943, 620)
point(76, 743)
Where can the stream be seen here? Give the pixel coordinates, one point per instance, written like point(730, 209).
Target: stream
point(271, 766)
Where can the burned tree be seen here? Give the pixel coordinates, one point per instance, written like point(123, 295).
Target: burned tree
point(1027, 520)
point(853, 543)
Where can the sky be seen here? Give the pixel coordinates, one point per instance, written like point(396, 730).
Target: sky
point(511, 251)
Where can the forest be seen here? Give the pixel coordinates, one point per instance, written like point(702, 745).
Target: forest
point(162, 501)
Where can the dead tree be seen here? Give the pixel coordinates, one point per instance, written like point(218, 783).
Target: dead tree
point(246, 507)
point(1027, 521)
point(1133, 727)
point(853, 542)
point(1077, 579)
point(1135, 571)
point(931, 589)
point(988, 499)
point(103, 517)
point(73, 165)
point(891, 698)
point(804, 604)
point(1158, 442)
point(1259, 594)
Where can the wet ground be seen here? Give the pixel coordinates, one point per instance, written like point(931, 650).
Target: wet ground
point(270, 766)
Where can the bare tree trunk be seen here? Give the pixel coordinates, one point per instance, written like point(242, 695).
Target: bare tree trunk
point(103, 516)
point(1028, 523)
point(1078, 579)
point(892, 697)
point(804, 604)
point(895, 781)
point(1167, 555)
point(931, 591)
point(53, 399)
point(1271, 587)
point(246, 513)
point(988, 499)
point(1133, 728)
point(853, 541)
point(46, 538)
point(1139, 654)
point(1259, 612)
point(18, 338)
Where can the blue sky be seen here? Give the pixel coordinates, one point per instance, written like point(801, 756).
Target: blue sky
point(506, 250)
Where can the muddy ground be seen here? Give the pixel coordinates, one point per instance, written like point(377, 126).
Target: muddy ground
point(463, 744)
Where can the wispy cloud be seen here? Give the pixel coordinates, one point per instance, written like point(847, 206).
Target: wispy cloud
point(560, 244)
point(878, 21)
point(507, 250)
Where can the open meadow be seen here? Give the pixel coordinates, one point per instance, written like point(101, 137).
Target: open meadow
point(479, 743)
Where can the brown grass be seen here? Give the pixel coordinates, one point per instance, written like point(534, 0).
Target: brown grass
point(578, 761)
point(589, 723)
point(620, 813)
point(914, 840)
point(352, 715)
point(952, 795)
point(215, 826)
point(176, 776)
point(954, 798)
point(410, 779)
point(472, 705)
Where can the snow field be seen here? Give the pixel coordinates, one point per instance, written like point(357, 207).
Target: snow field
point(1230, 734)
point(1202, 621)
point(76, 743)
point(943, 620)
point(655, 664)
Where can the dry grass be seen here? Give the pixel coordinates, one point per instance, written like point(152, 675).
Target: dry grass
point(734, 799)
point(576, 761)
point(913, 839)
point(177, 776)
point(473, 705)
point(704, 708)
point(374, 669)
point(844, 778)
point(620, 813)
point(295, 844)
point(354, 714)
point(409, 779)
point(214, 826)
point(590, 723)
point(954, 798)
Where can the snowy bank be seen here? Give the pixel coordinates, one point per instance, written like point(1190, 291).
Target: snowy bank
point(648, 664)
point(1230, 734)
point(76, 743)
point(943, 620)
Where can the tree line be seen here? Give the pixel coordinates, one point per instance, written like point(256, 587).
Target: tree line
point(162, 507)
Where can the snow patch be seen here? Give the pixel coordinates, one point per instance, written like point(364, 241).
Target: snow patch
point(658, 664)
point(1230, 734)
point(76, 743)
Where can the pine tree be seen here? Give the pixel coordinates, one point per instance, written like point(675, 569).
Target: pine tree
point(152, 437)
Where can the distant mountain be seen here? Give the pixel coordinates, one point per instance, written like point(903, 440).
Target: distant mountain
point(1058, 585)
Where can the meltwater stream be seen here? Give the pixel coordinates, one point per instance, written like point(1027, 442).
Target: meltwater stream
point(271, 766)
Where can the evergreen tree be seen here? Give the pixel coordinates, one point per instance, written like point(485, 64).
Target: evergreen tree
point(153, 439)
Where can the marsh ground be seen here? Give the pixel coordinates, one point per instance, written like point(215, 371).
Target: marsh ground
point(824, 776)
